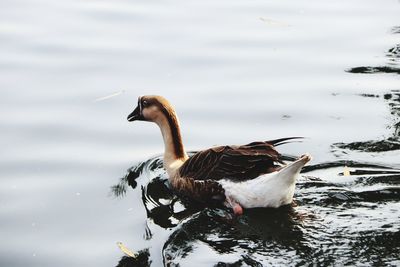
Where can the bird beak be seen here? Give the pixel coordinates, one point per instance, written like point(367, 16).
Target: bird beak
point(137, 114)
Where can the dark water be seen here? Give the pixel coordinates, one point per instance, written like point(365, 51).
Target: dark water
point(237, 72)
point(336, 219)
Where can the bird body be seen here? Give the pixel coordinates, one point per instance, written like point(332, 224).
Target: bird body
point(246, 176)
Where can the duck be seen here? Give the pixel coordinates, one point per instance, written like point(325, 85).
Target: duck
point(237, 176)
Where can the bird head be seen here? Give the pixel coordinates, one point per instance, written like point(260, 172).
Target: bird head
point(151, 108)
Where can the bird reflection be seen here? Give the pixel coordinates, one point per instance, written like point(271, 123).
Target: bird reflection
point(218, 228)
point(162, 206)
point(249, 236)
point(161, 203)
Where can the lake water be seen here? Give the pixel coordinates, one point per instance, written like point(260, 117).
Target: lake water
point(236, 71)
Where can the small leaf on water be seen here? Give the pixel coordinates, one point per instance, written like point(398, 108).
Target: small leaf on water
point(273, 22)
point(126, 250)
point(346, 171)
point(108, 96)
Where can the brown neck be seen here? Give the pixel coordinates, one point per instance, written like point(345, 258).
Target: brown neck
point(170, 130)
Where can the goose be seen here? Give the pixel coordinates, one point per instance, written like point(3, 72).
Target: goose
point(236, 176)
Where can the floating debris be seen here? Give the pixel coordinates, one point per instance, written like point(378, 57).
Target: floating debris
point(274, 22)
point(108, 96)
point(346, 171)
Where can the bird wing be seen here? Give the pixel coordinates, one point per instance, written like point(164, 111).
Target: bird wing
point(234, 162)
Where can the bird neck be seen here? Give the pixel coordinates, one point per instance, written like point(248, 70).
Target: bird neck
point(174, 152)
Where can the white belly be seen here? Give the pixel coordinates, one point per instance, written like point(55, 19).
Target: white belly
point(268, 190)
point(265, 191)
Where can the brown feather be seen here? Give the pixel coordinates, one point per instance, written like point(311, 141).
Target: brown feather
point(203, 191)
point(234, 162)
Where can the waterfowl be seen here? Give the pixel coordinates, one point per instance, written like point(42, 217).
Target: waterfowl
point(238, 176)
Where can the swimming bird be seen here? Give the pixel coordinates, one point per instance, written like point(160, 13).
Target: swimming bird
point(238, 176)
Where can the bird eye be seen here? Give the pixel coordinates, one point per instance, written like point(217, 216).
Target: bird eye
point(145, 103)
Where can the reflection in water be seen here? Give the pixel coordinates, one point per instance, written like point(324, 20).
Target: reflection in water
point(162, 205)
point(377, 69)
point(390, 143)
point(244, 239)
point(396, 29)
point(392, 55)
point(337, 218)
point(393, 100)
point(141, 260)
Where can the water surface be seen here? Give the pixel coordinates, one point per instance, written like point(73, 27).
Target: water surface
point(237, 72)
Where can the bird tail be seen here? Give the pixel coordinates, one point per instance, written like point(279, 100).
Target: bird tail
point(282, 141)
point(294, 168)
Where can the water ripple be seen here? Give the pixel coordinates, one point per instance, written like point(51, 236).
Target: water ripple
point(336, 218)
